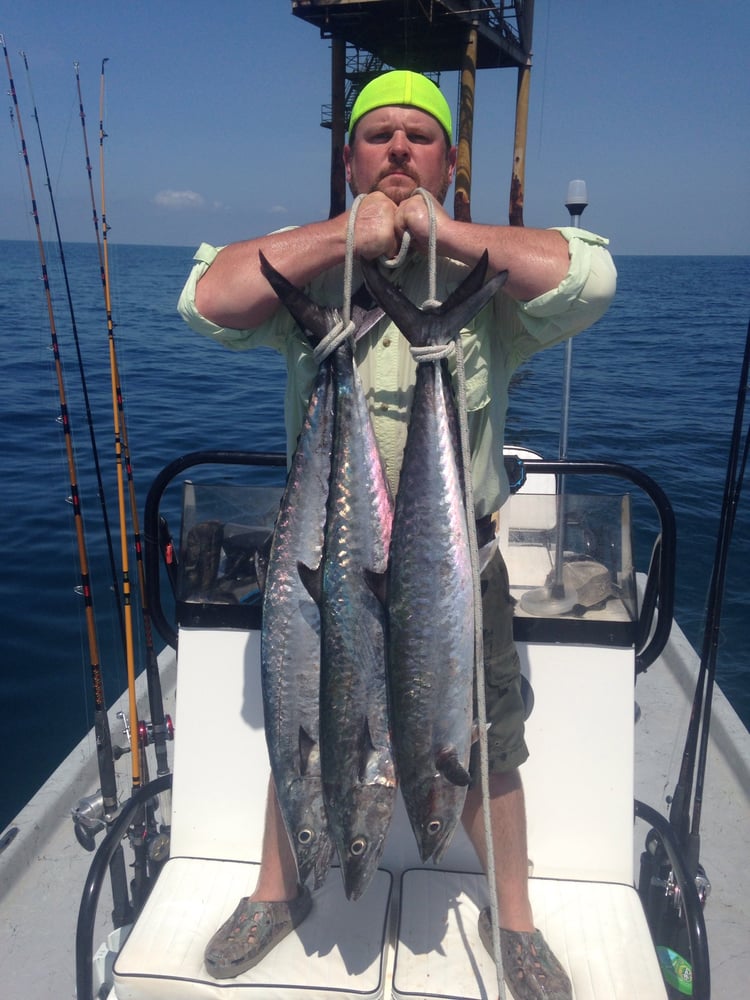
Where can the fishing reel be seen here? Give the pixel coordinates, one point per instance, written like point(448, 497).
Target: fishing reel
point(658, 886)
point(670, 915)
point(89, 819)
point(89, 816)
point(147, 731)
point(673, 894)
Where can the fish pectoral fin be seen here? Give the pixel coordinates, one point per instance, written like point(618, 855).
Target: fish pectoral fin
point(306, 745)
point(312, 580)
point(451, 768)
point(366, 751)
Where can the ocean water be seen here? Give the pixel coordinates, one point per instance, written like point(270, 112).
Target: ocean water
point(654, 385)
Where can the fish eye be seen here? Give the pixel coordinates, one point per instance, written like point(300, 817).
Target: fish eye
point(358, 847)
point(305, 836)
point(434, 826)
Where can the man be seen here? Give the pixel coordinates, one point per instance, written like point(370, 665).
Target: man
point(559, 282)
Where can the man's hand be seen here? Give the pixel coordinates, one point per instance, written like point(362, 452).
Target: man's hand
point(381, 225)
point(413, 217)
point(375, 228)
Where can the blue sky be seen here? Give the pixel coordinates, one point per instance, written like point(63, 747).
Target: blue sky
point(212, 113)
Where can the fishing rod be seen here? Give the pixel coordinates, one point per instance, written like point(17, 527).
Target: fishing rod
point(696, 744)
point(89, 171)
point(733, 490)
point(139, 827)
point(160, 727)
point(668, 881)
point(122, 912)
point(76, 341)
point(124, 554)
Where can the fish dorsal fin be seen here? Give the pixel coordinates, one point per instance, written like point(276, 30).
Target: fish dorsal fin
point(451, 768)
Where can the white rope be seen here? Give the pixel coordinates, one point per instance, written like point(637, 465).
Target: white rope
point(400, 257)
point(346, 309)
point(479, 668)
point(433, 352)
point(333, 339)
point(345, 327)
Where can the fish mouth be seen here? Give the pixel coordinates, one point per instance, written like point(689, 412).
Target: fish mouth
point(433, 843)
point(314, 859)
point(360, 834)
point(358, 869)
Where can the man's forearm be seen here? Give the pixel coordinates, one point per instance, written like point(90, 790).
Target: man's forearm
point(536, 259)
point(233, 292)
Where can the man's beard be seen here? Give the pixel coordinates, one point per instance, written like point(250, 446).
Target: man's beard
point(402, 194)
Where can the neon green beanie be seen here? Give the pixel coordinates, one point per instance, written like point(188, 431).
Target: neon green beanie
point(399, 87)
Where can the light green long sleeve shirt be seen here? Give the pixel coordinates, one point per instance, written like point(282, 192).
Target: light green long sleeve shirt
point(499, 339)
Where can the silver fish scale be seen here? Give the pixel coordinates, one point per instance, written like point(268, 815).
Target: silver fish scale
point(356, 755)
point(431, 616)
point(290, 640)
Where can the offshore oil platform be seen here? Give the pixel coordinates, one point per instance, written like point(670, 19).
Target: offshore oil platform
point(428, 36)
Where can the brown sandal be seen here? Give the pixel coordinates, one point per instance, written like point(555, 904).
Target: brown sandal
point(531, 970)
point(251, 932)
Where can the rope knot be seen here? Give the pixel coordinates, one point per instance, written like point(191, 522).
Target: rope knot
point(333, 339)
point(433, 352)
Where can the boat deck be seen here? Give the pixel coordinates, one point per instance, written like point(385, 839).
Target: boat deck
point(42, 868)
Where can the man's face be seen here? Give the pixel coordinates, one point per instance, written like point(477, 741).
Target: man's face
point(396, 150)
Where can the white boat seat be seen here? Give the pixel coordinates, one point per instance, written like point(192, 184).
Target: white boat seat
point(579, 798)
point(338, 952)
point(220, 780)
point(596, 929)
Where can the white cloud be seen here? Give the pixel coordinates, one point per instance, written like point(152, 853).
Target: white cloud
point(278, 210)
point(179, 200)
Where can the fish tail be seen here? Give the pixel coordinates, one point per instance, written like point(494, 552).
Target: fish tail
point(314, 319)
point(441, 324)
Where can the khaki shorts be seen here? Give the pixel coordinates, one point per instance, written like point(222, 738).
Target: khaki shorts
point(506, 711)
